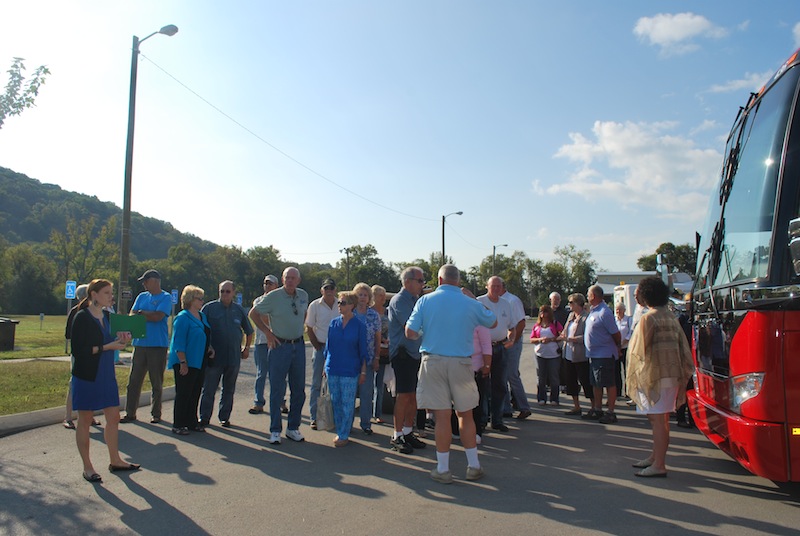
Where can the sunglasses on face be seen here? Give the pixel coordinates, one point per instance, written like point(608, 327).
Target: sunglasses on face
point(225, 291)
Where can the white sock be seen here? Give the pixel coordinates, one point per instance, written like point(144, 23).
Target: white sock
point(396, 434)
point(472, 457)
point(443, 461)
point(407, 430)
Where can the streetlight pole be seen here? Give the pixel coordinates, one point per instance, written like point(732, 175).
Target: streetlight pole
point(459, 213)
point(123, 292)
point(494, 251)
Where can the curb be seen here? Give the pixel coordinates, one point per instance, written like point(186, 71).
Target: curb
point(20, 422)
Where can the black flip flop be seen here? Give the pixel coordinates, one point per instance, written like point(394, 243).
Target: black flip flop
point(128, 467)
point(94, 477)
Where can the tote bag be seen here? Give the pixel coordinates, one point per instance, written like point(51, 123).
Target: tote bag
point(324, 407)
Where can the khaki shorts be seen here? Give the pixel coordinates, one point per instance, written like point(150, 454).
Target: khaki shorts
point(446, 382)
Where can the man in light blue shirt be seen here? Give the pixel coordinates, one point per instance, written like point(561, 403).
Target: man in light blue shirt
point(602, 341)
point(446, 320)
point(150, 351)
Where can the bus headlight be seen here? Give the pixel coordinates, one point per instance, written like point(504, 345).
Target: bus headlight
point(744, 388)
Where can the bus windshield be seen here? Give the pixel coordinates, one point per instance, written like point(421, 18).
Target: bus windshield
point(749, 192)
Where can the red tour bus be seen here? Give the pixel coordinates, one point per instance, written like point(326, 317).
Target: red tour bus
point(746, 302)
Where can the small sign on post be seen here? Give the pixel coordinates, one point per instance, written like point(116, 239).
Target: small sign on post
point(239, 298)
point(69, 292)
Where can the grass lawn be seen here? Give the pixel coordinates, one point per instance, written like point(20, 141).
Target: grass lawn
point(41, 384)
point(38, 339)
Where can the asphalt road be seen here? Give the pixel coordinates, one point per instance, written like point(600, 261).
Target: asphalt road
point(552, 474)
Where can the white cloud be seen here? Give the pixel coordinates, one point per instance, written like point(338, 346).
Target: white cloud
point(536, 186)
point(750, 82)
point(640, 165)
point(796, 33)
point(707, 124)
point(674, 34)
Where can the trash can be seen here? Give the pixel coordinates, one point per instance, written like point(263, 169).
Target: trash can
point(8, 328)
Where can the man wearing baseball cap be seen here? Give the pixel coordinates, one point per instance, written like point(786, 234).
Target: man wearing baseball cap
point(262, 350)
point(150, 351)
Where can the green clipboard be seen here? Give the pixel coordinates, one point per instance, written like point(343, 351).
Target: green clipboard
point(136, 324)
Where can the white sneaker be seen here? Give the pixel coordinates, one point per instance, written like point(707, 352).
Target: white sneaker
point(274, 438)
point(478, 439)
point(294, 435)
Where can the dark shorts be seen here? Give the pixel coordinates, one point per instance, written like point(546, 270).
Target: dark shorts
point(406, 371)
point(603, 372)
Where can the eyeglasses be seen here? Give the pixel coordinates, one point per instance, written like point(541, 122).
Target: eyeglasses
point(268, 283)
point(420, 281)
point(294, 307)
point(199, 298)
point(344, 302)
point(225, 291)
point(329, 287)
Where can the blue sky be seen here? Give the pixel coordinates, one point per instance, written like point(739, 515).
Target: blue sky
point(313, 126)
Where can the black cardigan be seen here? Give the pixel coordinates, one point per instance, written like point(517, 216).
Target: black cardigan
point(86, 334)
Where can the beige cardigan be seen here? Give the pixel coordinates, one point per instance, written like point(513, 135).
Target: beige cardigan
point(657, 351)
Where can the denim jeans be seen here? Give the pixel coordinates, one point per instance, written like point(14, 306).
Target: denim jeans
point(343, 400)
point(379, 390)
point(214, 374)
point(261, 357)
point(514, 381)
point(317, 368)
point(288, 359)
point(365, 391)
point(548, 370)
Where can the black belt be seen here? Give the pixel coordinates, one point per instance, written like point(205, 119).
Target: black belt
point(289, 341)
point(498, 343)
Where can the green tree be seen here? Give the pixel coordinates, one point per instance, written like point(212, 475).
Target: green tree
point(28, 288)
point(84, 252)
point(680, 258)
point(362, 264)
point(20, 95)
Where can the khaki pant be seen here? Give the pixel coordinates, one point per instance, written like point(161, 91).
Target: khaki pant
point(151, 360)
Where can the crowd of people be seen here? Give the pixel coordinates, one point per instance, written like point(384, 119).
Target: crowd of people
point(445, 354)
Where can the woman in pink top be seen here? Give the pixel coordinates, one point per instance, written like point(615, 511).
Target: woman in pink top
point(545, 336)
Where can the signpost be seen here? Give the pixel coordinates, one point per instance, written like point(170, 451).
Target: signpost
point(69, 294)
point(174, 293)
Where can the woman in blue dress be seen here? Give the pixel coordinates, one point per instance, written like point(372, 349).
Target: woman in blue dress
point(94, 382)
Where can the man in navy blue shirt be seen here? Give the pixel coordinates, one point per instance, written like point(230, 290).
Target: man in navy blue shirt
point(228, 321)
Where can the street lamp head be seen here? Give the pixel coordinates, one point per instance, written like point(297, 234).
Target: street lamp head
point(459, 213)
point(169, 30)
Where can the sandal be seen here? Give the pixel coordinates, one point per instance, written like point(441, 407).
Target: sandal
point(94, 477)
point(68, 424)
point(649, 472)
point(126, 467)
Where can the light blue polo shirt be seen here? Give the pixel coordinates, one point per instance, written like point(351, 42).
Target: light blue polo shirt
point(446, 320)
point(600, 326)
point(157, 334)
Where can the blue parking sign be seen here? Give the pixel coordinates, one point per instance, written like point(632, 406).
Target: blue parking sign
point(69, 293)
point(174, 296)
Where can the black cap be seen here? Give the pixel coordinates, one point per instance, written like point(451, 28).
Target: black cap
point(329, 283)
point(150, 274)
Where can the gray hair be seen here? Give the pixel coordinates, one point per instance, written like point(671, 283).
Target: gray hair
point(80, 291)
point(554, 294)
point(450, 274)
point(410, 272)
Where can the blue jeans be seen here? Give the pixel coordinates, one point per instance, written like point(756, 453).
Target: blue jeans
point(517, 390)
point(499, 387)
point(287, 359)
point(343, 400)
point(379, 390)
point(228, 374)
point(365, 391)
point(548, 369)
point(261, 357)
point(317, 367)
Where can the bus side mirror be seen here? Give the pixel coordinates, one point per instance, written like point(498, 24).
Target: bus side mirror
point(794, 243)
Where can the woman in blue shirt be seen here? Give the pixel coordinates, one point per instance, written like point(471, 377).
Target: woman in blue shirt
point(187, 352)
point(346, 358)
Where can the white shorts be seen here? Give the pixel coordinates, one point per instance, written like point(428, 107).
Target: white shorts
point(665, 404)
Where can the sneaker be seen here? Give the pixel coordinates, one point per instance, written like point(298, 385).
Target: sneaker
point(401, 446)
point(592, 415)
point(255, 410)
point(478, 439)
point(367, 431)
point(442, 478)
point(412, 440)
point(475, 473)
point(608, 418)
point(127, 418)
point(524, 414)
point(295, 435)
point(274, 438)
point(180, 431)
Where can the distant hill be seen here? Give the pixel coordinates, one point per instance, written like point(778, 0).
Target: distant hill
point(30, 211)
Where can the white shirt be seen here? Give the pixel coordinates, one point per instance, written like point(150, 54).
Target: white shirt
point(516, 306)
point(506, 319)
point(319, 317)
